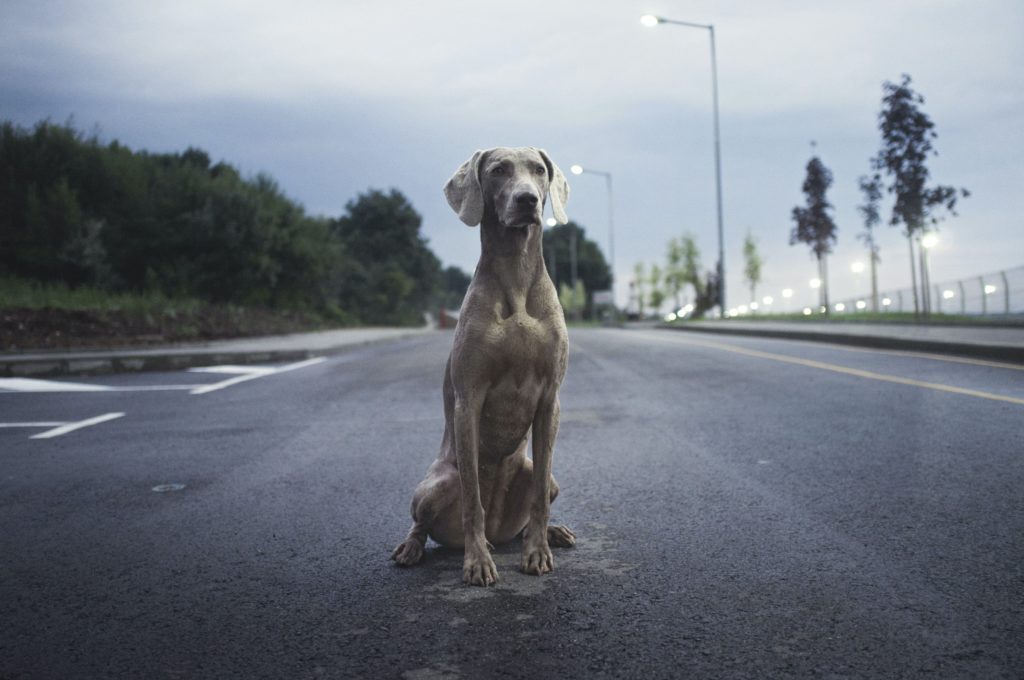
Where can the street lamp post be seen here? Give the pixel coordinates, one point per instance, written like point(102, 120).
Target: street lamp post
point(650, 21)
point(579, 170)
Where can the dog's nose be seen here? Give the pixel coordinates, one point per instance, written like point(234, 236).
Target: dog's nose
point(525, 199)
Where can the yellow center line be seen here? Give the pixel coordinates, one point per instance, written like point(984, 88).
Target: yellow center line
point(870, 375)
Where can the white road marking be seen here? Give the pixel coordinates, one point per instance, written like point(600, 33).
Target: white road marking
point(33, 385)
point(240, 373)
point(251, 373)
point(64, 428)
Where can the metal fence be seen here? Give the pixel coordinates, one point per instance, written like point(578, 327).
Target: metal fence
point(990, 294)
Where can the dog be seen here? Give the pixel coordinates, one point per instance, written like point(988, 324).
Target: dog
point(508, 359)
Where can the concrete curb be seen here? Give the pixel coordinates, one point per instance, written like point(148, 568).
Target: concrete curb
point(101, 362)
point(1006, 353)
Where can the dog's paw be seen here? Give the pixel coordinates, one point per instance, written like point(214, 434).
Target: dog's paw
point(537, 559)
point(561, 536)
point(408, 553)
point(478, 569)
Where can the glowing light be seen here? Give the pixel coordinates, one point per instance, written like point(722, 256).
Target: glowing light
point(753, 306)
point(948, 295)
point(989, 289)
point(742, 309)
point(861, 304)
point(857, 267)
point(576, 169)
point(807, 311)
point(787, 293)
point(670, 317)
point(551, 221)
point(929, 240)
point(815, 283)
point(840, 307)
point(649, 20)
point(886, 302)
point(767, 300)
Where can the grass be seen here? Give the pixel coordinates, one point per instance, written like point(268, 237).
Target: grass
point(17, 293)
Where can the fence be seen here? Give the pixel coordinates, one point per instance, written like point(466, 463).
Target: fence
point(997, 293)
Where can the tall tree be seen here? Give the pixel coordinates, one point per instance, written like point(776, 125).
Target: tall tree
point(640, 287)
point(591, 267)
point(394, 273)
point(814, 224)
point(907, 136)
point(751, 265)
point(872, 190)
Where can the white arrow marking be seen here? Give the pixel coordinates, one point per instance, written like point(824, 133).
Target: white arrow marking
point(71, 427)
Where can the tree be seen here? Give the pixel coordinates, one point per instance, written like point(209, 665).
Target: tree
point(674, 280)
point(393, 274)
point(656, 296)
point(814, 225)
point(591, 267)
point(452, 288)
point(639, 287)
point(872, 190)
point(907, 136)
point(751, 264)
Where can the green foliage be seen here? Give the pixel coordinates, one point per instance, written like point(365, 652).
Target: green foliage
point(78, 212)
point(392, 274)
point(907, 135)
point(570, 302)
point(452, 288)
point(751, 264)
point(656, 293)
point(814, 225)
point(591, 267)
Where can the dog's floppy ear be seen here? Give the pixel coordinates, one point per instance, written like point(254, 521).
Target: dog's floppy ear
point(559, 190)
point(464, 193)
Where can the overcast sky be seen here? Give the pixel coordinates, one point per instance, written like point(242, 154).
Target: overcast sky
point(334, 98)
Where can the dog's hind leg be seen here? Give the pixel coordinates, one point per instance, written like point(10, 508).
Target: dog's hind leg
point(436, 510)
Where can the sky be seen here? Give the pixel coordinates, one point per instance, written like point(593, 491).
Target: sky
point(335, 98)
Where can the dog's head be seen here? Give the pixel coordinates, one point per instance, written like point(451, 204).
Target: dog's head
point(511, 184)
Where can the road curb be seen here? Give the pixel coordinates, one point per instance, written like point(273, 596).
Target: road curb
point(102, 362)
point(1007, 353)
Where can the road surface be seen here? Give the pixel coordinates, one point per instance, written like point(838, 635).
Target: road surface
point(745, 508)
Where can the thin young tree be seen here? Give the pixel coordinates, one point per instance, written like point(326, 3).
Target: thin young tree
point(814, 224)
point(872, 190)
point(656, 295)
point(751, 265)
point(907, 136)
point(674, 280)
point(639, 286)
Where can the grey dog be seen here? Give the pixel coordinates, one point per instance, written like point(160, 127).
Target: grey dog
point(508, 359)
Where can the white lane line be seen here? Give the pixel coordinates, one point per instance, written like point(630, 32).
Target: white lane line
point(71, 427)
point(33, 385)
point(251, 373)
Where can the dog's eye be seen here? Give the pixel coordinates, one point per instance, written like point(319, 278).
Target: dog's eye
point(540, 170)
point(498, 170)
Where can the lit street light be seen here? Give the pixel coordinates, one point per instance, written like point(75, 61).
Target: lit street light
point(650, 21)
point(579, 170)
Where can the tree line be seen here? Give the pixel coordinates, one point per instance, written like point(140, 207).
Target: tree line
point(898, 169)
point(86, 213)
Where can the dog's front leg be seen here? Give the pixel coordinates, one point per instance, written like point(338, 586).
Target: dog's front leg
point(537, 557)
point(478, 568)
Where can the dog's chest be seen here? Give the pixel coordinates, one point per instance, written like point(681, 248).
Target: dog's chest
point(526, 347)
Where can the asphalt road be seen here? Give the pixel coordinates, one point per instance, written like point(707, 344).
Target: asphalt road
point(745, 509)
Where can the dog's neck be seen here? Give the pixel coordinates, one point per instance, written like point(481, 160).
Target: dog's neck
point(514, 255)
